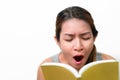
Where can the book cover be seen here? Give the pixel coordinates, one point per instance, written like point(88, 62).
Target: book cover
point(97, 70)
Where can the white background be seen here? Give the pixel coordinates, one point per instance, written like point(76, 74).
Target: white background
point(27, 31)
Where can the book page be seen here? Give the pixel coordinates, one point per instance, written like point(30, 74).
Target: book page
point(84, 68)
point(119, 71)
point(60, 70)
point(106, 70)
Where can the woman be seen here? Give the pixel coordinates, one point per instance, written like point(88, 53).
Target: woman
point(75, 35)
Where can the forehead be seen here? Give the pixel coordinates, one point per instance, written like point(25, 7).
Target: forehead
point(75, 26)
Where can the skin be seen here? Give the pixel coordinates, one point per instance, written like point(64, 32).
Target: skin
point(76, 39)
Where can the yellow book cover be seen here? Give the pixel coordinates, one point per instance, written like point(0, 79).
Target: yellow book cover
point(97, 70)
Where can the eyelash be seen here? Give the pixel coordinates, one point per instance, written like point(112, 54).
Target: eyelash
point(68, 40)
point(82, 38)
point(86, 38)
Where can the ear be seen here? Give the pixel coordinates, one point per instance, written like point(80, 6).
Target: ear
point(56, 40)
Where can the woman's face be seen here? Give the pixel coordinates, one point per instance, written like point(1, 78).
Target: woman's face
point(76, 42)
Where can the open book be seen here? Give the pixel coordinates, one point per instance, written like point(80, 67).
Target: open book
point(98, 70)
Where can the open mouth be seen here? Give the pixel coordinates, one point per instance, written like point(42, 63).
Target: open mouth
point(78, 58)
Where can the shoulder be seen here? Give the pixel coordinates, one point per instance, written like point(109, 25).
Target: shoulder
point(47, 60)
point(106, 56)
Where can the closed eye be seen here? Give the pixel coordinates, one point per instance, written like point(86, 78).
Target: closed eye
point(68, 40)
point(86, 38)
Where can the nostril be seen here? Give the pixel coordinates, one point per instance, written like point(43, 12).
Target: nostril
point(80, 49)
point(78, 45)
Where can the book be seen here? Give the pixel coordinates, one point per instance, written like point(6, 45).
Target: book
point(97, 70)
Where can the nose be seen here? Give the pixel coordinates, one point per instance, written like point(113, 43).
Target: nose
point(78, 46)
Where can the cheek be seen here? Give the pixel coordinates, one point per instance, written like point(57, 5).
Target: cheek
point(65, 46)
point(89, 46)
point(88, 49)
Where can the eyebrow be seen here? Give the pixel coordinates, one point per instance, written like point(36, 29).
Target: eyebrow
point(85, 33)
point(69, 34)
